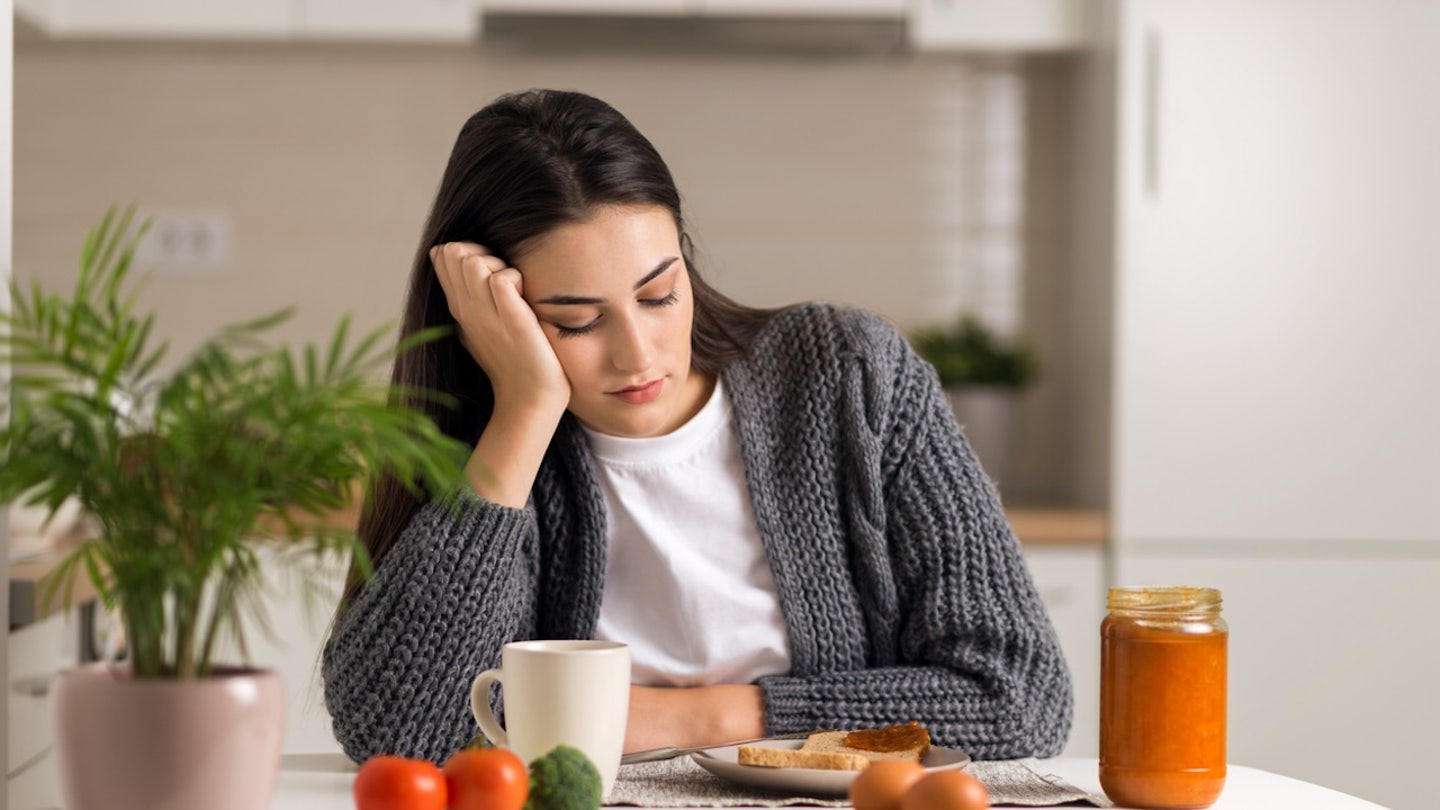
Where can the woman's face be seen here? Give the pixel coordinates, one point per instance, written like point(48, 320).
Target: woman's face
point(612, 294)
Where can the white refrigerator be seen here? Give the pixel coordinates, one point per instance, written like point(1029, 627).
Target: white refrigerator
point(1260, 203)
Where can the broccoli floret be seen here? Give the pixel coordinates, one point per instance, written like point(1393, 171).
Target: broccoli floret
point(564, 779)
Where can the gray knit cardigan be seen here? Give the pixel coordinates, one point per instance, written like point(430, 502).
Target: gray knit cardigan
point(900, 581)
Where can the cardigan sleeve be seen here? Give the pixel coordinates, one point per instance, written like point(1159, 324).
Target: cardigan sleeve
point(976, 659)
point(458, 583)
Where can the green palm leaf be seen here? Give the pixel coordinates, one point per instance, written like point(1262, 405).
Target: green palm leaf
point(187, 475)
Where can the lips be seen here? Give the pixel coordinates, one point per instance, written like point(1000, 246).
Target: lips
point(639, 394)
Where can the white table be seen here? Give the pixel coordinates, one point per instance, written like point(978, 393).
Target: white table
point(322, 782)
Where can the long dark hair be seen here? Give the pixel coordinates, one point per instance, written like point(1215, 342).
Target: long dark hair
point(523, 165)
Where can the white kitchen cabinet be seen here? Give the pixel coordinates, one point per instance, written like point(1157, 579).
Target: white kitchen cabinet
point(36, 787)
point(804, 8)
point(36, 652)
point(299, 609)
point(167, 19)
point(700, 8)
point(1022, 25)
point(934, 25)
point(615, 7)
point(397, 20)
point(1257, 188)
point(1276, 289)
point(1071, 581)
point(430, 20)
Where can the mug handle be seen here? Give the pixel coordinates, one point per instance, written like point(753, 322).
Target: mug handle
point(480, 706)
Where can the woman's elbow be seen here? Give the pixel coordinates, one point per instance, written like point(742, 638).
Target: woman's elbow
point(1035, 710)
point(1047, 711)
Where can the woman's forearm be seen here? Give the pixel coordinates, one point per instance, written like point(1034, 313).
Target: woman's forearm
point(398, 662)
point(507, 457)
point(693, 716)
point(1009, 708)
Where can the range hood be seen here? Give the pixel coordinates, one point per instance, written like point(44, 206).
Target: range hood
point(694, 33)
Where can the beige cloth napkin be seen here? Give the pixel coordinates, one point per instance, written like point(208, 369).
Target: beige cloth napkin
point(681, 783)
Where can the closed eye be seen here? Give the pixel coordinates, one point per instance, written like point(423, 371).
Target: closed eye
point(573, 331)
point(669, 299)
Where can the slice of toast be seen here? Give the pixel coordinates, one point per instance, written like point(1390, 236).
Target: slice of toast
point(826, 750)
point(800, 758)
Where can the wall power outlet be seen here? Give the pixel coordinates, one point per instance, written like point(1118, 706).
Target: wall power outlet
point(185, 242)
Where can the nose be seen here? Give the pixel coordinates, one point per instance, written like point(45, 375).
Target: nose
point(630, 350)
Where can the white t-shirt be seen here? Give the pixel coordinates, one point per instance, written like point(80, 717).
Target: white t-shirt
point(687, 582)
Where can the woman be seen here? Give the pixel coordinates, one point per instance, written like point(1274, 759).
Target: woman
point(775, 509)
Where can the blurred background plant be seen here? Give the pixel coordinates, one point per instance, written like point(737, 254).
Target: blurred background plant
point(186, 476)
point(983, 377)
point(967, 352)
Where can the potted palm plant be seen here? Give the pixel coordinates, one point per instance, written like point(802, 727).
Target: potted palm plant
point(983, 377)
point(188, 477)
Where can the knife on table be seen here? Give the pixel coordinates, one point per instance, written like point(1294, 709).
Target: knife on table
point(669, 752)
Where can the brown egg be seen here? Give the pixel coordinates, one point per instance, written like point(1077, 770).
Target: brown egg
point(946, 790)
point(882, 785)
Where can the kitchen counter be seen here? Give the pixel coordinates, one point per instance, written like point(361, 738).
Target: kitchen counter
point(1059, 526)
point(27, 588)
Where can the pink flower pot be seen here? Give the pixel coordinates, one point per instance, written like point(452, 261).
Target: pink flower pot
point(149, 744)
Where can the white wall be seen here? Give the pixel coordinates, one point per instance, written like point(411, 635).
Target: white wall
point(854, 180)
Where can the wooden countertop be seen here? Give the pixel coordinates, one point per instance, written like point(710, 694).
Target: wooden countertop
point(27, 588)
point(1060, 526)
point(27, 591)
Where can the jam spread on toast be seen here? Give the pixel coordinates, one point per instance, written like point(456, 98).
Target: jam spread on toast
point(905, 737)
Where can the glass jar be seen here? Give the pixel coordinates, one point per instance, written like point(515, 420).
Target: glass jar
point(1163, 658)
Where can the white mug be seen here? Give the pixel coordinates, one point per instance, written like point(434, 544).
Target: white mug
point(571, 692)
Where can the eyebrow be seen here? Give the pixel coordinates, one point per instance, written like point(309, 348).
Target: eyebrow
point(580, 299)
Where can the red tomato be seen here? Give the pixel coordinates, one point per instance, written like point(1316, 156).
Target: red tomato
point(486, 779)
point(395, 783)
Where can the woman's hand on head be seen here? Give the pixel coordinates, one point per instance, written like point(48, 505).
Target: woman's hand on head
point(503, 335)
point(498, 327)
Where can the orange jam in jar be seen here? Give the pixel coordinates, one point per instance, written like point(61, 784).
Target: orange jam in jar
point(1162, 697)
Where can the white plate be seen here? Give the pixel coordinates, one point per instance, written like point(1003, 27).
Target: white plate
point(723, 763)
